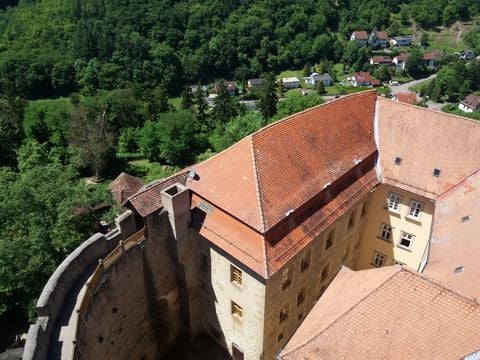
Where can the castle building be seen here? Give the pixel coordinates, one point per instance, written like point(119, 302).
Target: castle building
point(243, 245)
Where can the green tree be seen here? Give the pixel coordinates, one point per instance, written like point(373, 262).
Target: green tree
point(187, 98)
point(307, 69)
point(225, 107)
point(320, 87)
point(415, 65)
point(268, 96)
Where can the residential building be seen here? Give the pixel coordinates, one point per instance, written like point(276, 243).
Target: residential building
point(406, 97)
point(401, 41)
point(254, 84)
point(470, 104)
point(381, 60)
point(290, 83)
point(360, 36)
point(361, 78)
point(379, 39)
point(400, 61)
point(231, 87)
point(315, 78)
point(432, 58)
point(389, 313)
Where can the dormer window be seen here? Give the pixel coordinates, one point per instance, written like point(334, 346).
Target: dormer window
point(436, 172)
point(398, 160)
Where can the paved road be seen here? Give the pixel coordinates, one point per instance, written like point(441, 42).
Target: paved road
point(404, 87)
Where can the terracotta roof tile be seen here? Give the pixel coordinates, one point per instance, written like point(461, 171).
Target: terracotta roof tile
point(388, 313)
point(472, 101)
point(124, 186)
point(361, 35)
point(148, 199)
point(422, 138)
point(382, 35)
point(407, 98)
point(455, 241)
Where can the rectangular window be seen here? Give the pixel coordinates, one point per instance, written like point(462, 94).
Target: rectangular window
point(286, 277)
point(324, 275)
point(280, 336)
point(351, 220)
point(406, 240)
point(386, 232)
point(235, 275)
point(237, 310)
point(330, 237)
point(283, 313)
point(300, 296)
point(394, 202)
point(399, 262)
point(300, 316)
point(305, 261)
point(378, 259)
point(415, 209)
point(237, 354)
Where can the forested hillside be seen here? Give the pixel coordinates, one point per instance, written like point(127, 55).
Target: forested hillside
point(53, 47)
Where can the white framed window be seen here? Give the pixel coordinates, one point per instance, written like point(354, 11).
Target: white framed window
point(394, 201)
point(379, 259)
point(406, 240)
point(386, 232)
point(416, 208)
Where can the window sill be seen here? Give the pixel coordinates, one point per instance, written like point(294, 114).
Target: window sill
point(392, 211)
point(377, 266)
point(417, 220)
point(236, 284)
point(404, 248)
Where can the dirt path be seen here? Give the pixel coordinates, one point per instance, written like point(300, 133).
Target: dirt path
point(459, 27)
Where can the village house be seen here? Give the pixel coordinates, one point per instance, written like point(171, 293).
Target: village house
point(470, 104)
point(254, 84)
point(381, 60)
point(231, 87)
point(400, 61)
point(290, 83)
point(401, 41)
point(379, 39)
point(406, 97)
point(315, 78)
point(362, 78)
point(360, 36)
point(432, 58)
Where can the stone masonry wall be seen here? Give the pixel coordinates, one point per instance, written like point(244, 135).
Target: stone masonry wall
point(135, 312)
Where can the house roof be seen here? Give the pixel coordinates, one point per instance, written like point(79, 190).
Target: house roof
point(360, 35)
point(362, 76)
point(290, 79)
point(381, 59)
point(407, 97)
point(255, 81)
point(455, 241)
point(402, 57)
point(124, 186)
point(433, 55)
point(423, 139)
point(148, 199)
point(381, 35)
point(384, 313)
point(472, 101)
point(283, 165)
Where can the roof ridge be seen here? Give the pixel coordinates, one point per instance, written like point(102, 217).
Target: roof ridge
point(430, 110)
point(348, 310)
point(257, 184)
point(289, 117)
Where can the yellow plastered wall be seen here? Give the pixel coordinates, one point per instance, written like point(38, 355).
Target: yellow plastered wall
point(400, 221)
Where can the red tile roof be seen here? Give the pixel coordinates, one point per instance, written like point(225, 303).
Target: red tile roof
point(402, 57)
point(361, 35)
point(433, 55)
point(423, 138)
point(381, 59)
point(455, 237)
point(381, 35)
point(124, 186)
point(148, 199)
point(362, 77)
point(283, 165)
point(472, 101)
point(387, 313)
point(407, 98)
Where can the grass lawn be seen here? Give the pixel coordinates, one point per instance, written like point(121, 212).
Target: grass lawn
point(291, 73)
point(148, 170)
